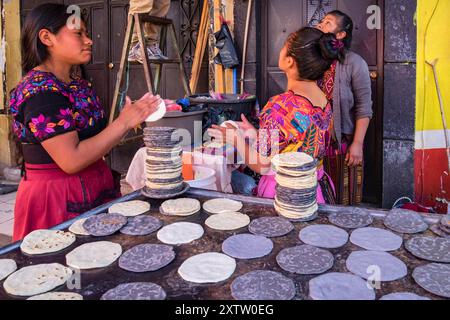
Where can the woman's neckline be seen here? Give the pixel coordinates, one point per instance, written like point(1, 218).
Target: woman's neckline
point(55, 77)
point(306, 98)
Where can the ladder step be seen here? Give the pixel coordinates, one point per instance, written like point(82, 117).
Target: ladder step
point(145, 17)
point(157, 61)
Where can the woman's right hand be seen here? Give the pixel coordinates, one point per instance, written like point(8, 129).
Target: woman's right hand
point(133, 114)
point(247, 128)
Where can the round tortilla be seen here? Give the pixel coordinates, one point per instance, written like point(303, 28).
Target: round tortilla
point(57, 296)
point(270, 227)
point(340, 286)
point(180, 207)
point(376, 239)
point(227, 221)
point(37, 279)
point(263, 285)
point(180, 233)
point(405, 221)
point(130, 208)
point(350, 220)
point(364, 264)
point(147, 257)
point(247, 246)
point(77, 227)
point(430, 248)
point(46, 241)
point(324, 236)
point(408, 296)
point(104, 224)
point(211, 267)
point(94, 255)
point(7, 266)
point(222, 205)
point(305, 259)
point(434, 277)
point(141, 225)
point(135, 291)
point(291, 159)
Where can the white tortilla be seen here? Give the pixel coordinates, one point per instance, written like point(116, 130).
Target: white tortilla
point(222, 205)
point(130, 208)
point(180, 207)
point(57, 296)
point(94, 255)
point(291, 159)
point(36, 279)
point(180, 233)
point(7, 266)
point(158, 114)
point(46, 241)
point(227, 221)
point(208, 267)
point(77, 227)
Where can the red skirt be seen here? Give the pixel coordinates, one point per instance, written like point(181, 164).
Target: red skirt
point(48, 196)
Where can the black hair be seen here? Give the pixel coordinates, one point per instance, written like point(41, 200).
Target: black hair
point(345, 23)
point(313, 51)
point(50, 16)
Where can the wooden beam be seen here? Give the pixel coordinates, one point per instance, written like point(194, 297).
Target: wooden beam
point(200, 47)
point(219, 72)
point(229, 17)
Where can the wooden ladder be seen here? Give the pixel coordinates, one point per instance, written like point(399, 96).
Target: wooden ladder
point(153, 83)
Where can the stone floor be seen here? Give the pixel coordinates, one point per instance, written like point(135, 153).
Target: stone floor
point(7, 202)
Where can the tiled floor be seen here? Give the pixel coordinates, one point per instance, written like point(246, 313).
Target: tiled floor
point(7, 202)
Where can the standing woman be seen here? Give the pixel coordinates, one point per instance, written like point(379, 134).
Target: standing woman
point(61, 125)
point(297, 120)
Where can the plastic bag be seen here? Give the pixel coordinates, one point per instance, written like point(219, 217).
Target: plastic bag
point(227, 55)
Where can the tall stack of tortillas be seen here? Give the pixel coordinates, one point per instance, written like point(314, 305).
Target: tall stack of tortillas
point(296, 189)
point(163, 163)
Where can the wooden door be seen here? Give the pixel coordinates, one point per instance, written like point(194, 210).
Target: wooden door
point(279, 18)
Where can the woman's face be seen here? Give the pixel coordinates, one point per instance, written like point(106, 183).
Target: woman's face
point(283, 60)
point(329, 24)
point(72, 45)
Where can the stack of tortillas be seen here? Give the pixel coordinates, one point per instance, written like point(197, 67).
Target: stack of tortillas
point(46, 241)
point(296, 189)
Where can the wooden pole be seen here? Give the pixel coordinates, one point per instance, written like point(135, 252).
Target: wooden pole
point(200, 47)
point(219, 73)
point(244, 54)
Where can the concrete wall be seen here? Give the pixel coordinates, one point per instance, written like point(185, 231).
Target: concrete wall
point(399, 100)
point(432, 176)
point(10, 71)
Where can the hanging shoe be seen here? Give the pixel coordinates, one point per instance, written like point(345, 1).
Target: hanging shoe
point(156, 52)
point(135, 54)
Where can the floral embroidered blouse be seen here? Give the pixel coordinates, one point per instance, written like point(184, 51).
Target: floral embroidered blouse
point(290, 123)
point(43, 107)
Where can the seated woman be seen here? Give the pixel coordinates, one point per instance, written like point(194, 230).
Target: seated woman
point(298, 120)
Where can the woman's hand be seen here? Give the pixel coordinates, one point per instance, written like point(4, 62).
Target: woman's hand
point(354, 156)
point(249, 131)
point(224, 134)
point(135, 113)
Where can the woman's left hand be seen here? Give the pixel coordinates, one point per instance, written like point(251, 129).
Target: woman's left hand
point(224, 134)
point(355, 155)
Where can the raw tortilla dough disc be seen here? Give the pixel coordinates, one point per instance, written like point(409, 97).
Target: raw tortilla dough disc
point(227, 221)
point(208, 267)
point(405, 221)
point(408, 296)
point(340, 286)
point(305, 259)
point(271, 227)
point(180, 233)
point(263, 285)
point(350, 220)
point(434, 277)
point(247, 246)
point(222, 205)
point(366, 263)
point(104, 224)
point(376, 239)
point(324, 236)
point(77, 227)
point(7, 266)
point(430, 248)
point(158, 114)
point(94, 255)
point(57, 296)
point(180, 207)
point(146, 257)
point(46, 241)
point(37, 279)
point(141, 225)
point(135, 291)
point(130, 208)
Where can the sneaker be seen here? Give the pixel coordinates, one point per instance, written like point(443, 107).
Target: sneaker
point(156, 52)
point(135, 54)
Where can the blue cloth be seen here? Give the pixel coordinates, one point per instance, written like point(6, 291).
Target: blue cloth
point(242, 183)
